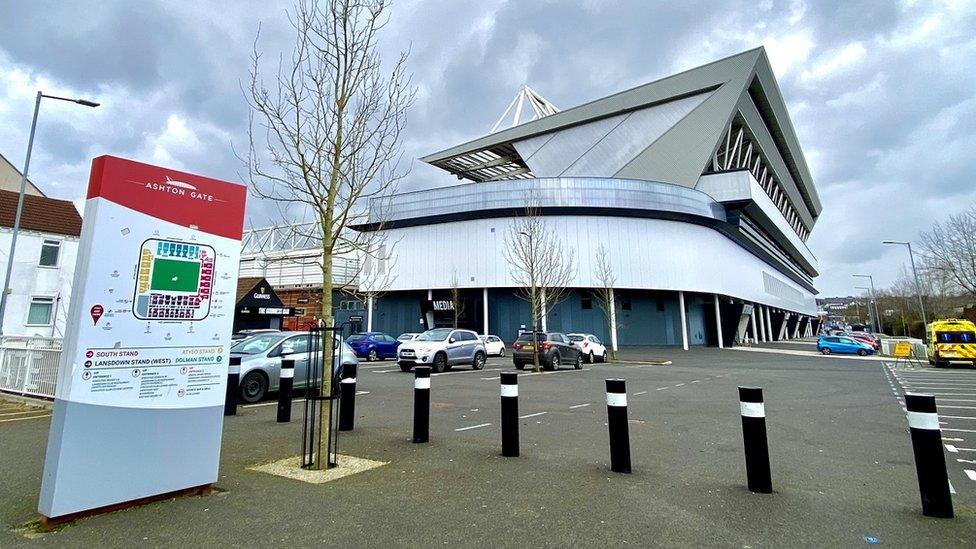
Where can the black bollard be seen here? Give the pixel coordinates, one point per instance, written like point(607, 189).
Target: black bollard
point(233, 386)
point(286, 380)
point(754, 439)
point(421, 404)
point(933, 480)
point(510, 426)
point(347, 398)
point(617, 424)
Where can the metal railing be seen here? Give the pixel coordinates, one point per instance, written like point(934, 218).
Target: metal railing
point(29, 365)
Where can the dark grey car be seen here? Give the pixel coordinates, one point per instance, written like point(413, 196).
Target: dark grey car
point(554, 349)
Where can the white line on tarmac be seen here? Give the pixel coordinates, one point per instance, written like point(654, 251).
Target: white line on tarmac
point(22, 418)
point(473, 427)
point(662, 388)
point(955, 400)
point(697, 381)
point(960, 407)
point(680, 385)
point(20, 413)
point(965, 460)
point(579, 406)
point(640, 393)
point(944, 439)
point(270, 403)
point(962, 431)
point(956, 417)
point(533, 415)
point(951, 449)
point(970, 473)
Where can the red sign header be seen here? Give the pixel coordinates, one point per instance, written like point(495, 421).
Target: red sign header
point(209, 205)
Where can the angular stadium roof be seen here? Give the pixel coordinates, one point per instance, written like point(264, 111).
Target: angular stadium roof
point(668, 130)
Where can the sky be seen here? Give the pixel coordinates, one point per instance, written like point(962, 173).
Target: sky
point(881, 93)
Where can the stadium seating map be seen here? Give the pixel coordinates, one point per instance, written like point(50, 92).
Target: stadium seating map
point(174, 281)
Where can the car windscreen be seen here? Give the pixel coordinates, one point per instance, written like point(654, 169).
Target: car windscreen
point(955, 337)
point(527, 336)
point(437, 334)
point(574, 339)
point(356, 337)
point(405, 337)
point(257, 344)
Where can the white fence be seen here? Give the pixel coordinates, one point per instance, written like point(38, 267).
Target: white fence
point(29, 365)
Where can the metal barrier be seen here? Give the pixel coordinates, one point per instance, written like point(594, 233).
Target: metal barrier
point(29, 365)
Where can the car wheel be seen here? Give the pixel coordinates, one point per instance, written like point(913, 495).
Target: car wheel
point(589, 359)
point(519, 365)
point(406, 367)
point(825, 351)
point(440, 362)
point(861, 352)
point(254, 387)
point(502, 352)
point(373, 357)
point(479, 361)
point(579, 361)
point(554, 362)
point(604, 357)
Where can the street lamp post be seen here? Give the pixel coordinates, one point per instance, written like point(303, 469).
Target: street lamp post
point(918, 287)
point(874, 300)
point(20, 197)
point(871, 311)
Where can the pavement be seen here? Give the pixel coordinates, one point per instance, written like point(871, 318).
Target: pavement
point(842, 465)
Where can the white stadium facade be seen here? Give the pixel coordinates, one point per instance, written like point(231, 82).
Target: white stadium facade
point(695, 184)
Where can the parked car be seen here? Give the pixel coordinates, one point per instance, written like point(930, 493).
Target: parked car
point(554, 349)
point(261, 356)
point(244, 334)
point(843, 344)
point(373, 346)
point(590, 345)
point(442, 348)
point(865, 337)
point(409, 336)
point(494, 345)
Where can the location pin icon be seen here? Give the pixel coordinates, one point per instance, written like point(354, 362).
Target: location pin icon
point(96, 313)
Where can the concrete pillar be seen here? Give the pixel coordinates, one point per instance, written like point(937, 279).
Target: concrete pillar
point(769, 324)
point(613, 321)
point(484, 309)
point(369, 314)
point(755, 332)
point(762, 324)
point(718, 323)
point(684, 321)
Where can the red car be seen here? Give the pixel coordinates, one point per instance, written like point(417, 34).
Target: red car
point(867, 338)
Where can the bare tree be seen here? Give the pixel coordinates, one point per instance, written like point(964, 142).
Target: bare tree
point(325, 135)
point(542, 268)
point(456, 302)
point(950, 250)
point(607, 279)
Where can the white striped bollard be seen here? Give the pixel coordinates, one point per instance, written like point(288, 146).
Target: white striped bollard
point(286, 381)
point(617, 425)
point(347, 398)
point(510, 426)
point(421, 404)
point(233, 385)
point(933, 480)
point(756, 446)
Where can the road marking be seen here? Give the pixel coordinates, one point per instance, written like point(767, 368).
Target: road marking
point(579, 405)
point(680, 385)
point(533, 415)
point(960, 407)
point(965, 460)
point(22, 413)
point(952, 449)
point(662, 388)
point(956, 417)
point(640, 393)
point(697, 381)
point(955, 400)
point(362, 393)
point(22, 418)
point(944, 439)
point(961, 431)
point(970, 473)
point(271, 403)
point(473, 427)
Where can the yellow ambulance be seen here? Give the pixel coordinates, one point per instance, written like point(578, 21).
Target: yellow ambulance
point(951, 340)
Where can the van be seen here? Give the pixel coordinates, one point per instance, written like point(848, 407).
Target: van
point(951, 340)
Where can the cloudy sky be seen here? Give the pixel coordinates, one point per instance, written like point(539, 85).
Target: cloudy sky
point(881, 93)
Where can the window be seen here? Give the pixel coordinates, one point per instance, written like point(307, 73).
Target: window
point(41, 311)
point(50, 253)
point(586, 302)
point(596, 340)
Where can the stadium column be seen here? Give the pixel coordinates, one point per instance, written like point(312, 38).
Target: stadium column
point(484, 309)
point(752, 317)
point(762, 324)
point(769, 324)
point(613, 321)
point(684, 321)
point(718, 323)
point(369, 314)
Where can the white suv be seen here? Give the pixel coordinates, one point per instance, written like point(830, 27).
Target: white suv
point(442, 348)
point(591, 346)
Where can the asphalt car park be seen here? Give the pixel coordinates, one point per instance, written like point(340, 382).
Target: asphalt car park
point(842, 465)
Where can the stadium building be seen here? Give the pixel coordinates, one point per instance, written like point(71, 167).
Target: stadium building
point(695, 185)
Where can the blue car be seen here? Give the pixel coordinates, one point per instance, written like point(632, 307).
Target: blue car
point(843, 344)
point(373, 345)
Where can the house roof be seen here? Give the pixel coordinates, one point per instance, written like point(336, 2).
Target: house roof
point(10, 178)
point(245, 285)
point(42, 214)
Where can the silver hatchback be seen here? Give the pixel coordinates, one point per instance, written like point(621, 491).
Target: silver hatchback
point(261, 356)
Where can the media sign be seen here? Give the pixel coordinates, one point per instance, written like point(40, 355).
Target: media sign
point(139, 404)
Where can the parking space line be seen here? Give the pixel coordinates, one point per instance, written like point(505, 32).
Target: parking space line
point(579, 406)
point(473, 427)
point(23, 418)
point(697, 381)
point(533, 415)
point(970, 473)
point(955, 417)
point(662, 388)
point(679, 385)
point(960, 407)
point(962, 431)
point(640, 393)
